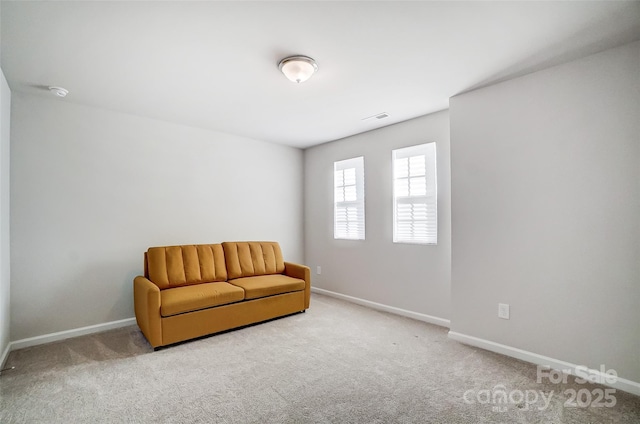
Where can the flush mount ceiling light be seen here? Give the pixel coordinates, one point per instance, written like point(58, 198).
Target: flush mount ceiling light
point(298, 68)
point(59, 91)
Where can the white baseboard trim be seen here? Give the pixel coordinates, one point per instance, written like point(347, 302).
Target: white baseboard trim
point(380, 307)
point(4, 356)
point(556, 364)
point(67, 334)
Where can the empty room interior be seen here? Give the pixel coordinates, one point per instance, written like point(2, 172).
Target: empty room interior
point(323, 211)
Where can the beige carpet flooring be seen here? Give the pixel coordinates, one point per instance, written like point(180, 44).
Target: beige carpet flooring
point(337, 363)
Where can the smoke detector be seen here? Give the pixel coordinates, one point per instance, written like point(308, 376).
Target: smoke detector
point(59, 91)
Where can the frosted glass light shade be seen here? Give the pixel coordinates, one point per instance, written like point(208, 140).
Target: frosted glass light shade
point(298, 68)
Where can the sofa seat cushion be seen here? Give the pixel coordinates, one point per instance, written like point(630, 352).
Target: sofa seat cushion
point(268, 285)
point(179, 300)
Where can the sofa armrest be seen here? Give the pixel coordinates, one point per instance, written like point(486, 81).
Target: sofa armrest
point(146, 300)
point(302, 272)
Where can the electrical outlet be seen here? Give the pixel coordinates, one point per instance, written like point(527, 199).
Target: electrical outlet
point(503, 310)
point(318, 270)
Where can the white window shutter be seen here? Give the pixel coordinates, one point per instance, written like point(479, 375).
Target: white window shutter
point(348, 201)
point(415, 208)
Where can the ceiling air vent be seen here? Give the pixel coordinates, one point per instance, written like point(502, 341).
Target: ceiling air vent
point(381, 115)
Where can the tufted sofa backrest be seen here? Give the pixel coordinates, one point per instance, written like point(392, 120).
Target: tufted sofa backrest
point(175, 266)
point(252, 258)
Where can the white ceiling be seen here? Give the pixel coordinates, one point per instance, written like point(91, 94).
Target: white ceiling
point(214, 64)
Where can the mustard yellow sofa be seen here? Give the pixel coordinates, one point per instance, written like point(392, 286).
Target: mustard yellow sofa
point(195, 290)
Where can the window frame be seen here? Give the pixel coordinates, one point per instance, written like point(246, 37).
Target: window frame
point(425, 203)
point(358, 233)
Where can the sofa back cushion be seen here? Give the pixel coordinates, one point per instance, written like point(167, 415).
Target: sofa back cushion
point(175, 266)
point(252, 258)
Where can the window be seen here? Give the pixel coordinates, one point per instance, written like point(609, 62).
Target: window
point(348, 200)
point(415, 212)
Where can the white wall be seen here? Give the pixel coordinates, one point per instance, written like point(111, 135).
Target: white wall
point(5, 262)
point(411, 277)
point(546, 212)
point(92, 189)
